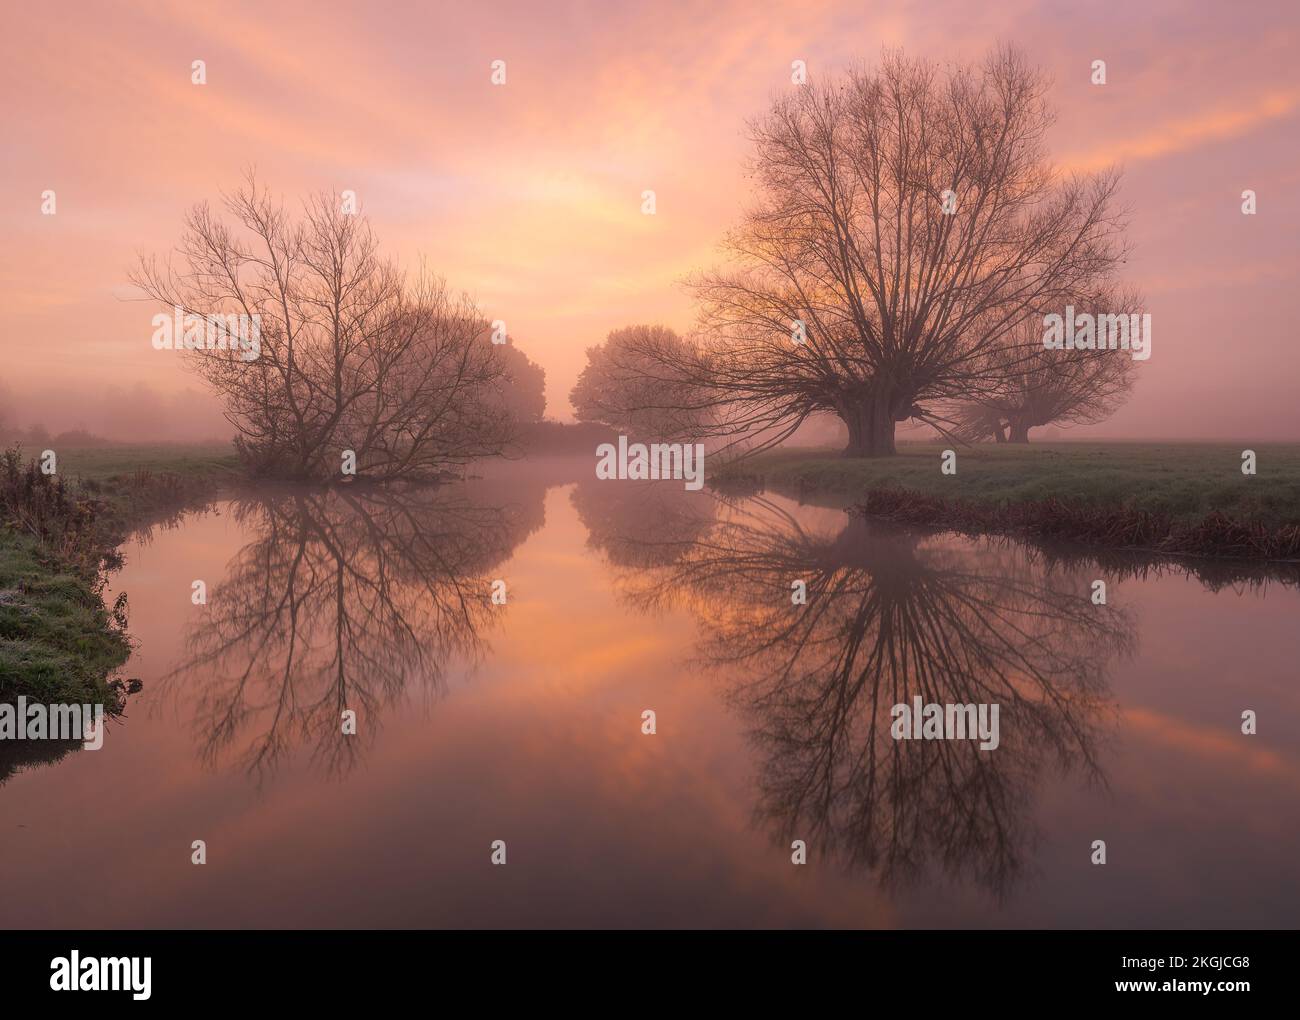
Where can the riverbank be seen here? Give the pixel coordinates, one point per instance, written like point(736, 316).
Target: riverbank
point(59, 534)
point(1179, 498)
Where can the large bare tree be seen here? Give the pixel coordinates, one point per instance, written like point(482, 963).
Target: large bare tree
point(354, 354)
point(907, 220)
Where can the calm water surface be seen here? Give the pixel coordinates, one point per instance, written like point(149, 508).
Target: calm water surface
point(522, 722)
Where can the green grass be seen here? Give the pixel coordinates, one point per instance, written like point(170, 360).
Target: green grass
point(1184, 480)
point(188, 460)
point(58, 643)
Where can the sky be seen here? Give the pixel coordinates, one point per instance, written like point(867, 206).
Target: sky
point(527, 195)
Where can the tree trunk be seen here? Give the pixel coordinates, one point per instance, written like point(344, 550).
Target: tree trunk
point(1019, 433)
point(871, 428)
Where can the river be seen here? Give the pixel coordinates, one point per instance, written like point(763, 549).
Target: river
point(521, 721)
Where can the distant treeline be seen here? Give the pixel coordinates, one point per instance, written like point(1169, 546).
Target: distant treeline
point(544, 437)
point(537, 437)
point(39, 436)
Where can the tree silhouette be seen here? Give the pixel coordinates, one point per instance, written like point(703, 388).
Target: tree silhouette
point(353, 354)
point(906, 223)
point(1036, 386)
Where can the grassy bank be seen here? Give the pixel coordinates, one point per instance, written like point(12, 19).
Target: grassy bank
point(1189, 498)
point(58, 641)
point(118, 461)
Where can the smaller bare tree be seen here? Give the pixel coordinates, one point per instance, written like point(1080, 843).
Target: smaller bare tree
point(646, 381)
point(523, 386)
point(354, 355)
point(1036, 386)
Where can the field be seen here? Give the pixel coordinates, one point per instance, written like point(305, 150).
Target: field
point(1186, 481)
point(101, 463)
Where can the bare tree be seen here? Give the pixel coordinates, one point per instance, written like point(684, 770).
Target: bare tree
point(907, 221)
point(1048, 388)
point(523, 386)
point(354, 355)
point(646, 381)
point(1036, 386)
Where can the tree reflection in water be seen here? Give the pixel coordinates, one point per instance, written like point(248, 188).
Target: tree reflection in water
point(346, 598)
point(890, 616)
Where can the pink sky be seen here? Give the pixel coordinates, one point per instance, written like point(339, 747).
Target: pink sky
point(528, 195)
